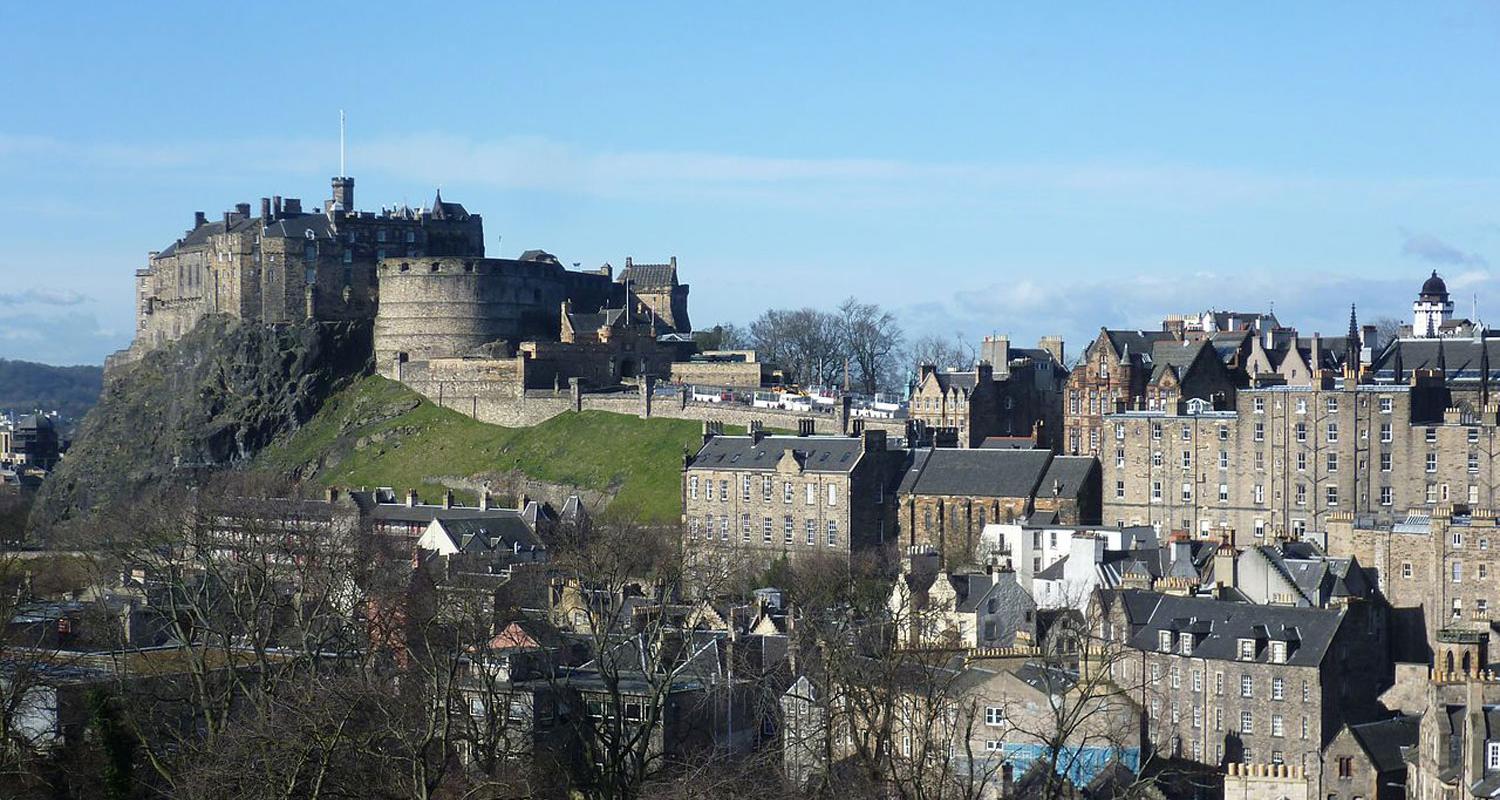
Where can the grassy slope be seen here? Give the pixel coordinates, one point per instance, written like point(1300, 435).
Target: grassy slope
point(423, 444)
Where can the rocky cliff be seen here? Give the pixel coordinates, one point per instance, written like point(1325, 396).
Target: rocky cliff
point(212, 399)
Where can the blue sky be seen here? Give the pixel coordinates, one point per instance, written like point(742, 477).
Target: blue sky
point(977, 168)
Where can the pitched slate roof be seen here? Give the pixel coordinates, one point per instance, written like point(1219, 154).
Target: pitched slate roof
point(1222, 624)
point(482, 535)
point(646, 277)
point(1462, 358)
point(815, 453)
point(977, 473)
point(1383, 740)
point(199, 236)
point(1175, 356)
point(1136, 343)
point(298, 227)
point(1067, 474)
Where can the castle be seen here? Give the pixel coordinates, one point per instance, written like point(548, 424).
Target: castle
point(420, 275)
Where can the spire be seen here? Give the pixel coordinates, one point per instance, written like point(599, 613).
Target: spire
point(1353, 328)
point(1397, 368)
point(437, 205)
point(1442, 363)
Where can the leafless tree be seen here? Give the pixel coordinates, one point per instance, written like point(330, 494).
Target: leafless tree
point(871, 339)
point(955, 353)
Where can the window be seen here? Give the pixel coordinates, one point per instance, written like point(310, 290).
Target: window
point(833, 495)
point(693, 487)
point(724, 528)
point(1164, 641)
point(724, 491)
point(1473, 462)
point(1219, 683)
point(1385, 495)
point(745, 528)
point(1333, 432)
point(1259, 492)
point(1156, 458)
point(1406, 570)
point(1473, 435)
point(1120, 432)
point(1333, 462)
point(812, 494)
point(1432, 493)
point(1301, 494)
point(1385, 405)
point(812, 532)
point(833, 533)
point(1306, 692)
point(994, 716)
point(1223, 459)
point(786, 492)
point(1223, 433)
point(1247, 685)
point(1430, 435)
point(1187, 492)
point(1187, 459)
point(1260, 432)
point(1301, 431)
point(1156, 669)
point(1218, 719)
point(1156, 431)
point(1492, 755)
point(1246, 650)
point(1278, 689)
point(1197, 680)
point(1197, 716)
point(1346, 766)
point(1302, 462)
point(765, 530)
point(1120, 455)
point(745, 488)
point(1247, 722)
point(1432, 462)
point(1277, 727)
point(1223, 493)
point(1385, 432)
point(1456, 569)
point(1156, 491)
point(1185, 644)
point(765, 488)
point(1259, 405)
point(1176, 677)
point(1260, 460)
point(1473, 494)
point(708, 490)
point(1301, 405)
point(1332, 404)
point(786, 530)
point(1187, 433)
point(1331, 495)
point(1119, 490)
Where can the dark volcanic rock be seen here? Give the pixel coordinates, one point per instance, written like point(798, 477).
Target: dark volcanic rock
point(210, 400)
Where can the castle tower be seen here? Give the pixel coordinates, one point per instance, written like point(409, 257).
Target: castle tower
point(1432, 309)
point(343, 194)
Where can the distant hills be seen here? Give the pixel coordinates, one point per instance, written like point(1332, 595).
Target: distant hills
point(26, 386)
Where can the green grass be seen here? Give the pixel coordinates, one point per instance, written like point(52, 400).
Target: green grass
point(409, 442)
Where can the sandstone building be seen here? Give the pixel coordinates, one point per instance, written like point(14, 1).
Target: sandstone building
point(757, 498)
point(948, 496)
point(288, 264)
point(1011, 394)
point(1233, 682)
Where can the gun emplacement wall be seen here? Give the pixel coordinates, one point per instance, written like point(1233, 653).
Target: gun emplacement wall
point(440, 307)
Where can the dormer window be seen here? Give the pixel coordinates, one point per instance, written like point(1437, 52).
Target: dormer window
point(1278, 652)
point(1185, 644)
point(1247, 649)
point(1492, 756)
point(1164, 641)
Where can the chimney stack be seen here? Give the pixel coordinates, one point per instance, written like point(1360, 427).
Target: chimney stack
point(411, 498)
point(276, 206)
point(448, 498)
point(199, 219)
point(265, 210)
point(293, 206)
point(805, 427)
point(484, 500)
point(331, 494)
point(757, 431)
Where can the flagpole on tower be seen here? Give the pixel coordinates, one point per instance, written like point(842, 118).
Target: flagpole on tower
point(342, 172)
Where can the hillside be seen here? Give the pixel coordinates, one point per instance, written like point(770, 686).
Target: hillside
point(379, 433)
point(210, 400)
point(26, 386)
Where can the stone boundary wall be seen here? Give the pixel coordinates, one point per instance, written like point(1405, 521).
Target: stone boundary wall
point(500, 404)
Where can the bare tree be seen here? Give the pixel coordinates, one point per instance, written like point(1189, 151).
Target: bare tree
point(807, 343)
point(871, 339)
point(955, 353)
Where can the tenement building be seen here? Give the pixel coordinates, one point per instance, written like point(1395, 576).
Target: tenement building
point(1139, 370)
point(1225, 682)
point(288, 264)
point(1437, 567)
point(1011, 395)
point(757, 498)
point(1282, 459)
point(948, 496)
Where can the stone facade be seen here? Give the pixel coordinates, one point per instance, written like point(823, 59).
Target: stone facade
point(1458, 744)
point(288, 265)
point(1014, 396)
point(656, 287)
point(757, 498)
point(1437, 570)
point(1133, 370)
point(1229, 682)
point(1287, 457)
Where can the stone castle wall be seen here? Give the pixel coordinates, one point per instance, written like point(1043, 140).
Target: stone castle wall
point(436, 307)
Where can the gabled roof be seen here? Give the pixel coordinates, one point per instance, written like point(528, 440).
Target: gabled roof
point(1136, 343)
point(1382, 741)
point(814, 453)
point(1462, 358)
point(1309, 631)
point(299, 226)
point(649, 277)
point(1176, 357)
point(486, 534)
point(980, 473)
point(1067, 474)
